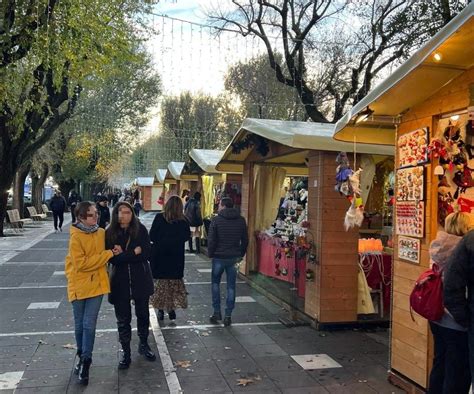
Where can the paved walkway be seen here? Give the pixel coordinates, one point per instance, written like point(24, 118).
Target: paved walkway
point(256, 355)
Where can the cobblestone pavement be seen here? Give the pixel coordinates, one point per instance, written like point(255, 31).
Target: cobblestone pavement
point(256, 355)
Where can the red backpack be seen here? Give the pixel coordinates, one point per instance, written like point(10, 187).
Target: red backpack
point(426, 298)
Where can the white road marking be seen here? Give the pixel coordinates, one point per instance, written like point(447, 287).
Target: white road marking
point(316, 361)
point(43, 305)
point(168, 367)
point(9, 380)
point(204, 270)
point(244, 299)
point(58, 273)
point(208, 326)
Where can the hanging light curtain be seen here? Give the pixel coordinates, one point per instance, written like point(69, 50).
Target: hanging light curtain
point(268, 182)
point(207, 203)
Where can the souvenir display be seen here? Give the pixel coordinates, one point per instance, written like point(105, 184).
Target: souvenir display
point(413, 148)
point(410, 184)
point(409, 249)
point(410, 218)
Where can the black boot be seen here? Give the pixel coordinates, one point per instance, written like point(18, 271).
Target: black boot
point(172, 315)
point(216, 316)
point(145, 350)
point(161, 314)
point(198, 245)
point(190, 244)
point(84, 371)
point(126, 356)
point(79, 363)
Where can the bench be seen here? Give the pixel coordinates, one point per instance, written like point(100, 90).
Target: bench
point(46, 210)
point(16, 223)
point(35, 215)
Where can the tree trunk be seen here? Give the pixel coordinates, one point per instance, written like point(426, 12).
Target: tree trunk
point(19, 189)
point(37, 188)
point(66, 187)
point(5, 184)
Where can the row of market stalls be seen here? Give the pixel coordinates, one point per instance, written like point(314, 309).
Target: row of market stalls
point(344, 250)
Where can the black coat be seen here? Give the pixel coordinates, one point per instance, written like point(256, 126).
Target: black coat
point(227, 237)
point(57, 204)
point(192, 211)
point(459, 277)
point(130, 274)
point(167, 256)
point(104, 215)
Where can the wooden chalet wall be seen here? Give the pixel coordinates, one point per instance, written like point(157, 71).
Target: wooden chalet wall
point(146, 197)
point(332, 296)
point(411, 341)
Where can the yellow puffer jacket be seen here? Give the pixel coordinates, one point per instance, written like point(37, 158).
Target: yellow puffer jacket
point(86, 264)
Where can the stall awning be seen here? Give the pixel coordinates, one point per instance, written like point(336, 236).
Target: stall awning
point(207, 160)
point(145, 181)
point(298, 135)
point(446, 56)
point(175, 170)
point(160, 175)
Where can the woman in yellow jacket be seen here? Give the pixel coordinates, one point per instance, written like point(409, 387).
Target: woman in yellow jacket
point(87, 281)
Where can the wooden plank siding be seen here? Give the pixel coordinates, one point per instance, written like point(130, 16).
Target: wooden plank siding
point(411, 341)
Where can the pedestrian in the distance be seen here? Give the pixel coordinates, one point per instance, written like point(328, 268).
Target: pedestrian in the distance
point(137, 206)
point(130, 279)
point(87, 281)
point(227, 243)
point(192, 211)
point(458, 287)
point(104, 212)
point(169, 232)
point(58, 206)
point(72, 202)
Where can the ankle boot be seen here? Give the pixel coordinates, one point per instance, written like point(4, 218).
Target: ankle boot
point(161, 314)
point(125, 357)
point(198, 245)
point(79, 363)
point(84, 371)
point(172, 315)
point(144, 349)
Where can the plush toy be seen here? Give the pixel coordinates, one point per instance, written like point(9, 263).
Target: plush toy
point(343, 172)
point(354, 215)
point(445, 200)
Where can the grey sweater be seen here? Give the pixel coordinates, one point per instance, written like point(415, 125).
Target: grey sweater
point(227, 236)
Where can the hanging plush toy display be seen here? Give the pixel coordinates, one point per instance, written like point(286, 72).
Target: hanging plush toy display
point(348, 184)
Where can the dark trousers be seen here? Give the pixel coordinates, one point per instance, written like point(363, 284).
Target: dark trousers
point(123, 313)
point(56, 216)
point(73, 216)
point(450, 373)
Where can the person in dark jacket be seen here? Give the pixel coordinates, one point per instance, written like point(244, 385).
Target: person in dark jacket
point(227, 243)
point(72, 202)
point(450, 372)
point(192, 211)
point(458, 289)
point(130, 279)
point(169, 232)
point(104, 212)
point(58, 206)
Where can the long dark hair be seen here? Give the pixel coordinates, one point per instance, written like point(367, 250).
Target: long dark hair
point(114, 229)
point(173, 210)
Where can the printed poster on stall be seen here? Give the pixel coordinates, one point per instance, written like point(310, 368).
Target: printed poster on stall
point(410, 218)
point(413, 148)
point(410, 184)
point(409, 249)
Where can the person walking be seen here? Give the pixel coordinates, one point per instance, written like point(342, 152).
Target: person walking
point(58, 206)
point(130, 279)
point(450, 372)
point(458, 288)
point(104, 212)
point(169, 232)
point(87, 281)
point(227, 243)
point(192, 211)
point(72, 202)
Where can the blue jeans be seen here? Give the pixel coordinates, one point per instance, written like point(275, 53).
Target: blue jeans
point(85, 320)
point(218, 268)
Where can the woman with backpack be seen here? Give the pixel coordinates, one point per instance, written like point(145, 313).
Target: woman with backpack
point(450, 372)
point(192, 211)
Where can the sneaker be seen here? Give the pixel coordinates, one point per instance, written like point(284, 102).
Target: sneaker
point(60, 229)
point(227, 321)
point(214, 319)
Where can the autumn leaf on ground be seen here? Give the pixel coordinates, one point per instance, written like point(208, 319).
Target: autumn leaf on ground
point(69, 346)
point(183, 364)
point(244, 382)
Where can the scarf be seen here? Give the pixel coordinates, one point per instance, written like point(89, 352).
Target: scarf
point(87, 229)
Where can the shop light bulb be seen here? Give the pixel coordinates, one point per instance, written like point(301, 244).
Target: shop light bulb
point(454, 117)
point(437, 57)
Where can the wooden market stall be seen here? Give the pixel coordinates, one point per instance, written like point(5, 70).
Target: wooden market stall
point(319, 264)
point(184, 181)
point(150, 191)
point(426, 105)
point(164, 177)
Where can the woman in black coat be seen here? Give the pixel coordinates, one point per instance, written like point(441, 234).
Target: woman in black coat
point(130, 278)
point(169, 232)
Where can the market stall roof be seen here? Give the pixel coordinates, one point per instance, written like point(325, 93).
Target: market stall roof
point(145, 181)
point(207, 160)
point(175, 170)
point(160, 175)
point(299, 135)
point(446, 56)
